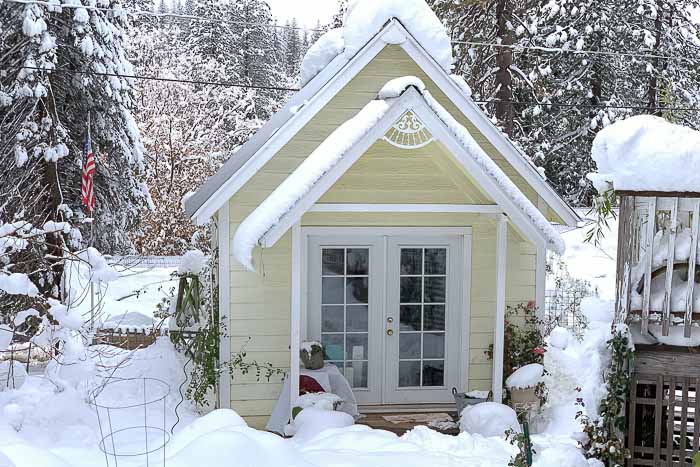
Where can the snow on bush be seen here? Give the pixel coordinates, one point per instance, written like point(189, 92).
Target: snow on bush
point(574, 374)
point(319, 400)
point(192, 262)
point(647, 153)
point(527, 376)
point(100, 271)
point(320, 54)
point(365, 18)
point(17, 284)
point(489, 419)
point(561, 455)
point(311, 421)
point(559, 338)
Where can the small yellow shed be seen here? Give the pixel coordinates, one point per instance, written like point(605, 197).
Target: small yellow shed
point(381, 213)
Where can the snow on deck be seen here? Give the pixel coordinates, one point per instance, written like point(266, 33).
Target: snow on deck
point(647, 153)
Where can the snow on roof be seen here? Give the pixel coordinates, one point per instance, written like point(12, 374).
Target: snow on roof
point(332, 150)
point(364, 19)
point(647, 153)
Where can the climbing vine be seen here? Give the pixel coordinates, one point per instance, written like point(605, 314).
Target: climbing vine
point(603, 440)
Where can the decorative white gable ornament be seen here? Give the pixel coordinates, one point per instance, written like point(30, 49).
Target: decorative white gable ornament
point(408, 132)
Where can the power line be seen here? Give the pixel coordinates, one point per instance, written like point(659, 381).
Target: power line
point(573, 51)
point(280, 88)
point(156, 78)
point(120, 11)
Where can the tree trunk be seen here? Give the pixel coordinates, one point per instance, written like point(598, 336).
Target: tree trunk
point(504, 60)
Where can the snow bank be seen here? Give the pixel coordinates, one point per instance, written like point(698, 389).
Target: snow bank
point(489, 419)
point(365, 18)
point(289, 192)
point(312, 421)
point(647, 153)
point(527, 376)
point(320, 54)
point(559, 338)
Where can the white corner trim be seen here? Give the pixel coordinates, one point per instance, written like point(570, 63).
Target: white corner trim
point(296, 319)
point(499, 324)
point(467, 314)
point(394, 34)
point(224, 285)
point(414, 208)
point(541, 279)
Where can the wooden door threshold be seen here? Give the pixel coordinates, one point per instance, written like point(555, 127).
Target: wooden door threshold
point(408, 408)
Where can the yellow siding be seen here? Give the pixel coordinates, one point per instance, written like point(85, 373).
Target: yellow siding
point(260, 302)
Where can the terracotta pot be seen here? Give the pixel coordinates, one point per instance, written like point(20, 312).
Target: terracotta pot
point(525, 396)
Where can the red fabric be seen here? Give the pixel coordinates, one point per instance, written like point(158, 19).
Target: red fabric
point(308, 385)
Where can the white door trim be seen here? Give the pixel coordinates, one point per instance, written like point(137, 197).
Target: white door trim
point(464, 232)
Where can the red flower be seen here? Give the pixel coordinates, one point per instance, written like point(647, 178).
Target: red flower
point(538, 350)
point(531, 305)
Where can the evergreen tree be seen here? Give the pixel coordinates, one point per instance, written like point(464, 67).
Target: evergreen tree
point(44, 121)
point(293, 48)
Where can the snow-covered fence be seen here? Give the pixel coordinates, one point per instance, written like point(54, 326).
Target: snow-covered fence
point(145, 262)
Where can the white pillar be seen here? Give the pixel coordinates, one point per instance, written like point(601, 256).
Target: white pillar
point(499, 325)
point(296, 316)
point(224, 284)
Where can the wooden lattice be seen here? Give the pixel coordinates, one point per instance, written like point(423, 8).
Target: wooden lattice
point(663, 410)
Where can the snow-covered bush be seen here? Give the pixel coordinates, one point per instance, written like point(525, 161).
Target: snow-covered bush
point(489, 419)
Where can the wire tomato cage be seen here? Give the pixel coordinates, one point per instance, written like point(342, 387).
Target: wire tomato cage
point(119, 402)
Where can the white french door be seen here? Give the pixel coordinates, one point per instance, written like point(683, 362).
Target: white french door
point(390, 312)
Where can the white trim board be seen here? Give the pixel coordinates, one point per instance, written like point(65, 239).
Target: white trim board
point(441, 208)
point(332, 80)
point(224, 285)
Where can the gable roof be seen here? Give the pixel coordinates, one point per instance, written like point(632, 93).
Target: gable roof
point(320, 170)
point(305, 104)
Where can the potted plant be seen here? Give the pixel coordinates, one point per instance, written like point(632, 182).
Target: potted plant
point(523, 384)
point(312, 355)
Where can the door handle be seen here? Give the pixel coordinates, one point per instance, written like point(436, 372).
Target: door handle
point(389, 332)
point(390, 320)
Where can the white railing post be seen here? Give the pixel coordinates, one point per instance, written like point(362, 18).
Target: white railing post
point(692, 258)
point(673, 226)
point(649, 244)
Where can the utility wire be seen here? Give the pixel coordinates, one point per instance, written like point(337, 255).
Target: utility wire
point(156, 78)
point(280, 88)
point(120, 11)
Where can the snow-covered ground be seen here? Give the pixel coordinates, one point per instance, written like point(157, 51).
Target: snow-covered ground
point(48, 422)
point(127, 302)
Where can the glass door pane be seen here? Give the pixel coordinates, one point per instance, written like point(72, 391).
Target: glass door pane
point(422, 306)
point(345, 310)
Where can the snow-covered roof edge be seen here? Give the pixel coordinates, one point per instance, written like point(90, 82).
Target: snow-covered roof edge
point(301, 108)
point(283, 199)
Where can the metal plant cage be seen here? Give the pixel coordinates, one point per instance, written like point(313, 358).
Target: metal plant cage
point(131, 414)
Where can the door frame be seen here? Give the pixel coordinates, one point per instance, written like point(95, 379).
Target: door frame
point(331, 233)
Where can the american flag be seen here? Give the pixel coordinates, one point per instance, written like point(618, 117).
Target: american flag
point(87, 186)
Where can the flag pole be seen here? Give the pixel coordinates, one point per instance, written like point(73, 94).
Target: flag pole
point(90, 243)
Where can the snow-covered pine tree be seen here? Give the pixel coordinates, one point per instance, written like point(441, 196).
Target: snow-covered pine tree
point(293, 48)
point(53, 60)
point(337, 20)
